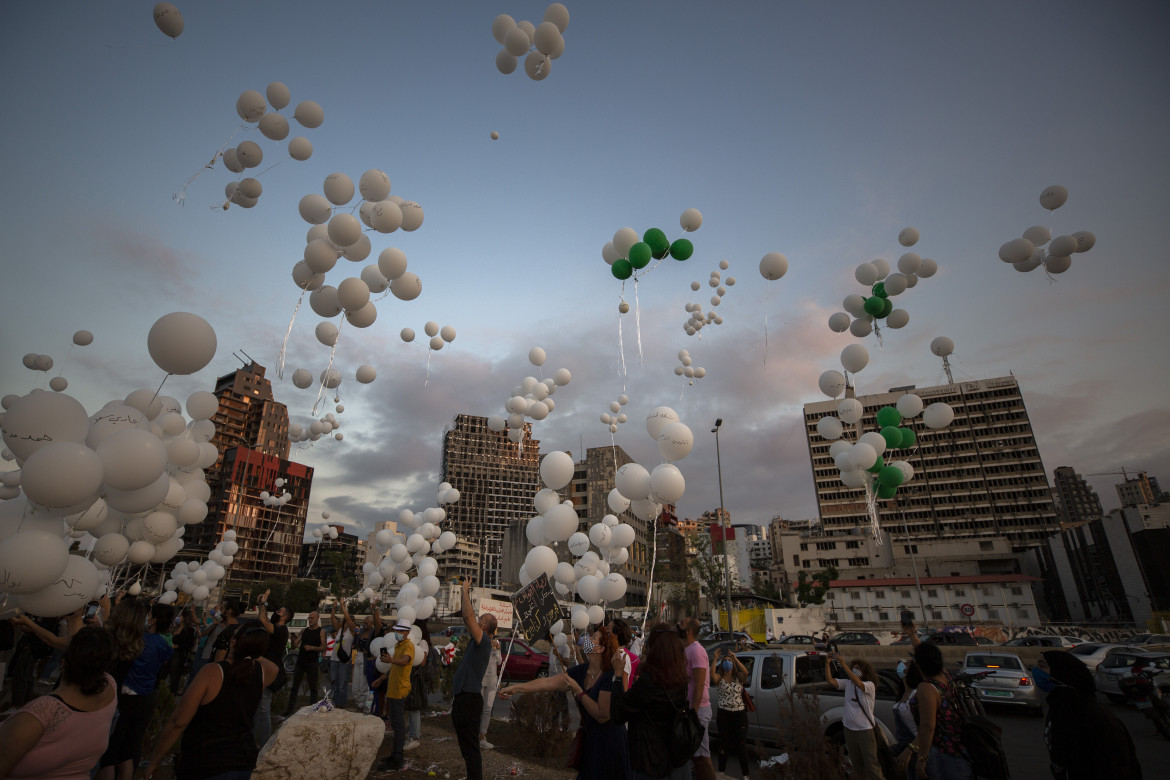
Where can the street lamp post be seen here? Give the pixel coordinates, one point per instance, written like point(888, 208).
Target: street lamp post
point(723, 522)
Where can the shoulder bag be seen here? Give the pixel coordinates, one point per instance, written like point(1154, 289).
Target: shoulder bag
point(885, 754)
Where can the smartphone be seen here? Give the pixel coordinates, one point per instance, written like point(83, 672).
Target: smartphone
point(91, 610)
point(907, 618)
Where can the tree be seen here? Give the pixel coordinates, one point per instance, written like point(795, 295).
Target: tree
point(705, 569)
point(298, 595)
point(763, 586)
point(812, 590)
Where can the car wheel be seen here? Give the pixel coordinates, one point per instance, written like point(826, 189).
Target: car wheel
point(1117, 698)
point(542, 672)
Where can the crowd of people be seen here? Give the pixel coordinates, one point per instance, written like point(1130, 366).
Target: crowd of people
point(226, 669)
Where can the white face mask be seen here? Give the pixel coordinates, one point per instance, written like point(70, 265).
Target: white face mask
point(856, 671)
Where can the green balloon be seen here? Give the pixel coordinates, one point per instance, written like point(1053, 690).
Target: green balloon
point(887, 307)
point(908, 438)
point(890, 476)
point(877, 466)
point(886, 491)
point(681, 249)
point(888, 415)
point(873, 306)
point(640, 255)
point(893, 436)
point(621, 269)
point(879, 290)
point(658, 242)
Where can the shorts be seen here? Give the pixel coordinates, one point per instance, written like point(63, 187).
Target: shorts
point(704, 750)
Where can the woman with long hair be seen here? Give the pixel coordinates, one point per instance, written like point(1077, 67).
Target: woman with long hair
point(860, 686)
point(215, 715)
point(605, 753)
point(649, 707)
point(905, 725)
point(937, 752)
point(729, 673)
point(141, 653)
point(62, 735)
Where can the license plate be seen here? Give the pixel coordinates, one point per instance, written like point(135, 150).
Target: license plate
point(1001, 694)
point(1142, 704)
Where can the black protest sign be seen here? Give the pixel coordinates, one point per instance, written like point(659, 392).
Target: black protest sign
point(536, 607)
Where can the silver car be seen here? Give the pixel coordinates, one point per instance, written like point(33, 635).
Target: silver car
point(1009, 681)
point(1091, 653)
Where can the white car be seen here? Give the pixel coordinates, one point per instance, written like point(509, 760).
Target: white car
point(1091, 653)
point(1118, 663)
point(1008, 681)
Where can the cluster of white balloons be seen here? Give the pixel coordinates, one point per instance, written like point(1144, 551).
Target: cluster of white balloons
point(697, 319)
point(168, 19)
point(327, 425)
point(532, 398)
point(390, 640)
point(276, 499)
point(615, 416)
point(438, 335)
point(123, 482)
point(252, 107)
point(44, 363)
point(538, 44)
point(862, 312)
point(198, 580)
point(411, 548)
point(1037, 246)
point(686, 369)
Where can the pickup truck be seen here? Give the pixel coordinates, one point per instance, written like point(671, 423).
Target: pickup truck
point(772, 674)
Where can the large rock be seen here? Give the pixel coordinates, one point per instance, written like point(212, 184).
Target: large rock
point(336, 744)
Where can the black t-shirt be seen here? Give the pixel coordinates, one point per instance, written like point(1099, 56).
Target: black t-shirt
point(277, 642)
point(312, 637)
point(224, 640)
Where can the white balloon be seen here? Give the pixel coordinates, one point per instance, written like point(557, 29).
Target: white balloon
point(1038, 235)
point(541, 560)
point(309, 114)
point(1057, 265)
point(938, 415)
point(132, 459)
point(854, 304)
point(633, 482)
point(300, 148)
point(829, 428)
point(589, 589)
point(71, 590)
point(691, 220)
point(1014, 251)
point(908, 236)
point(832, 383)
point(866, 274)
point(839, 322)
point(1053, 197)
point(928, 269)
point(31, 560)
point(909, 405)
point(883, 267)
point(344, 229)
point(675, 441)
point(862, 456)
point(773, 266)
point(65, 477)
point(1085, 242)
point(181, 343)
point(875, 440)
point(556, 469)
point(667, 483)
point(1062, 246)
point(942, 346)
point(613, 587)
point(898, 318)
point(616, 501)
point(861, 327)
point(406, 287)
point(854, 358)
point(849, 410)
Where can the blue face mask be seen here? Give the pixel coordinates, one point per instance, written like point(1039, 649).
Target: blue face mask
point(1043, 679)
point(902, 669)
point(726, 666)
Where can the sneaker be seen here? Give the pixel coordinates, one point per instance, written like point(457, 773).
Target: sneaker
point(411, 745)
point(485, 745)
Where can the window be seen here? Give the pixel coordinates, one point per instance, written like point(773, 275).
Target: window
point(932, 593)
point(855, 596)
point(809, 669)
point(883, 616)
point(905, 594)
point(858, 617)
point(986, 546)
point(795, 561)
point(880, 594)
point(1017, 591)
point(773, 673)
point(937, 615)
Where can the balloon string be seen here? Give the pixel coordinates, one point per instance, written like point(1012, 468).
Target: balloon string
point(767, 303)
point(325, 378)
point(156, 392)
point(877, 331)
point(427, 379)
point(622, 351)
point(287, 333)
point(316, 550)
point(181, 196)
point(871, 507)
point(270, 167)
point(638, 321)
point(653, 560)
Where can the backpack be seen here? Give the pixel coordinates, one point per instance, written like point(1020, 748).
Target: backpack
point(982, 737)
point(686, 734)
point(634, 661)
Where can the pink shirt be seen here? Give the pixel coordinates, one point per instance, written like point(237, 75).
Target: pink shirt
point(697, 659)
point(72, 742)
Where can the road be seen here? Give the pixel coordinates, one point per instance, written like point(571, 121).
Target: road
point(1023, 740)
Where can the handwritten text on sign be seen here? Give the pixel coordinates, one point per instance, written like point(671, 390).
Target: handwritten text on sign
point(536, 607)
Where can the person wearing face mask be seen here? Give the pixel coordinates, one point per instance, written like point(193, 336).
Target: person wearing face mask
point(860, 695)
point(905, 725)
point(730, 674)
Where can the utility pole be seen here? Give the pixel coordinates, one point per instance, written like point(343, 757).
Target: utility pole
point(723, 522)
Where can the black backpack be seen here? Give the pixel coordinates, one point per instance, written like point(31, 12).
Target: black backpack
point(686, 734)
point(982, 737)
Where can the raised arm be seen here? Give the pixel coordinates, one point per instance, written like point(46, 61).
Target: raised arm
point(48, 637)
point(469, 620)
point(347, 618)
point(263, 612)
point(829, 678)
point(377, 610)
point(560, 682)
point(716, 677)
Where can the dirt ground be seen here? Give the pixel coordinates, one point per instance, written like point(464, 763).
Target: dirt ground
point(438, 754)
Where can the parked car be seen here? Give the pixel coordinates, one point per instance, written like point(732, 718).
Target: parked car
point(803, 640)
point(951, 638)
point(1141, 640)
point(521, 661)
point(724, 636)
point(1118, 663)
point(1049, 640)
point(772, 674)
point(982, 640)
point(1091, 653)
point(1008, 683)
point(923, 635)
point(853, 638)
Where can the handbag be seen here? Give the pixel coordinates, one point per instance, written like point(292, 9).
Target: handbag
point(885, 753)
point(575, 749)
point(748, 704)
point(686, 734)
